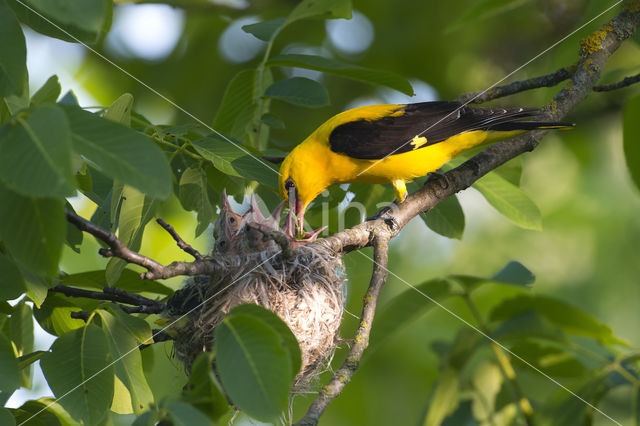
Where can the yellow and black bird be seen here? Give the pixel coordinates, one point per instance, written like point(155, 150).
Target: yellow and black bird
point(394, 144)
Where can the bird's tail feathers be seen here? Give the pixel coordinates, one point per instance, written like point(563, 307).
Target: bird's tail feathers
point(532, 125)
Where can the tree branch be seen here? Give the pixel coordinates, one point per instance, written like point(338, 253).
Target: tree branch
point(548, 80)
point(184, 246)
point(627, 81)
point(202, 266)
point(343, 375)
point(113, 294)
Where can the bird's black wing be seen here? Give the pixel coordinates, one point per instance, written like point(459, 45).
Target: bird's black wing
point(436, 121)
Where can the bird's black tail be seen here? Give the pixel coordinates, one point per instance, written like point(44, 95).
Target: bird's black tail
point(531, 125)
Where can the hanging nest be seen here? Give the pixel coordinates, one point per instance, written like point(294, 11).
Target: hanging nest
point(303, 287)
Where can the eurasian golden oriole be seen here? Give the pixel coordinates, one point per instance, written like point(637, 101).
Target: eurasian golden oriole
point(394, 144)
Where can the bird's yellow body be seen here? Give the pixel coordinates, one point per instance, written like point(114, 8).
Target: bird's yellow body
point(395, 146)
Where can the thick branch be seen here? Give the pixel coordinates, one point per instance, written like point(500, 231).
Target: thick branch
point(202, 266)
point(343, 375)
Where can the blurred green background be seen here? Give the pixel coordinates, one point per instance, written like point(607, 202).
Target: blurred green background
point(587, 252)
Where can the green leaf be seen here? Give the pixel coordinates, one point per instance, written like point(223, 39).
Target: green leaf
point(481, 10)
point(237, 98)
point(74, 236)
point(204, 392)
point(36, 159)
point(324, 9)
point(70, 20)
point(48, 93)
point(279, 326)
point(120, 110)
point(231, 160)
point(129, 281)
point(135, 212)
point(78, 367)
point(37, 286)
point(265, 30)
point(6, 418)
point(299, 91)
point(193, 195)
point(510, 200)
point(121, 153)
point(12, 282)
point(185, 415)
point(272, 121)
point(9, 370)
point(631, 136)
point(570, 319)
point(406, 307)
point(445, 399)
point(446, 218)
point(43, 412)
point(33, 230)
point(13, 55)
point(515, 273)
point(552, 360)
point(254, 366)
point(355, 72)
point(123, 342)
point(28, 359)
point(54, 315)
point(22, 328)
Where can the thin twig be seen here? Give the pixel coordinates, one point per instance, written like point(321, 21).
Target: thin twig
point(113, 294)
point(181, 243)
point(343, 375)
point(548, 80)
point(81, 315)
point(627, 81)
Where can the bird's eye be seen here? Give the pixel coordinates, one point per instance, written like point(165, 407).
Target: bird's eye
point(289, 184)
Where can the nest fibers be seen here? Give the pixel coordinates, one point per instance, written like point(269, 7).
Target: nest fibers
point(305, 290)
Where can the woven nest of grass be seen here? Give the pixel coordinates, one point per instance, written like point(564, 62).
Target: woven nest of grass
point(305, 291)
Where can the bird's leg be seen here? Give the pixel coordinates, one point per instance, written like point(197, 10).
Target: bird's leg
point(439, 178)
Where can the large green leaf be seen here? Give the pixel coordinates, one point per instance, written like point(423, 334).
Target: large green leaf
point(237, 98)
point(79, 368)
point(233, 160)
point(569, 318)
point(54, 315)
point(6, 418)
point(70, 20)
point(279, 326)
point(120, 110)
point(299, 91)
point(355, 72)
point(12, 282)
point(43, 412)
point(631, 136)
point(36, 155)
point(22, 336)
point(446, 218)
point(510, 200)
point(123, 345)
point(325, 9)
point(121, 153)
point(445, 398)
point(135, 212)
point(33, 230)
point(194, 196)
point(185, 415)
point(254, 366)
point(204, 392)
point(13, 55)
point(48, 93)
point(265, 30)
point(406, 307)
point(9, 371)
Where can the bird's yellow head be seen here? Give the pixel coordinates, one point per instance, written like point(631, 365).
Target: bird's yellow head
point(302, 178)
